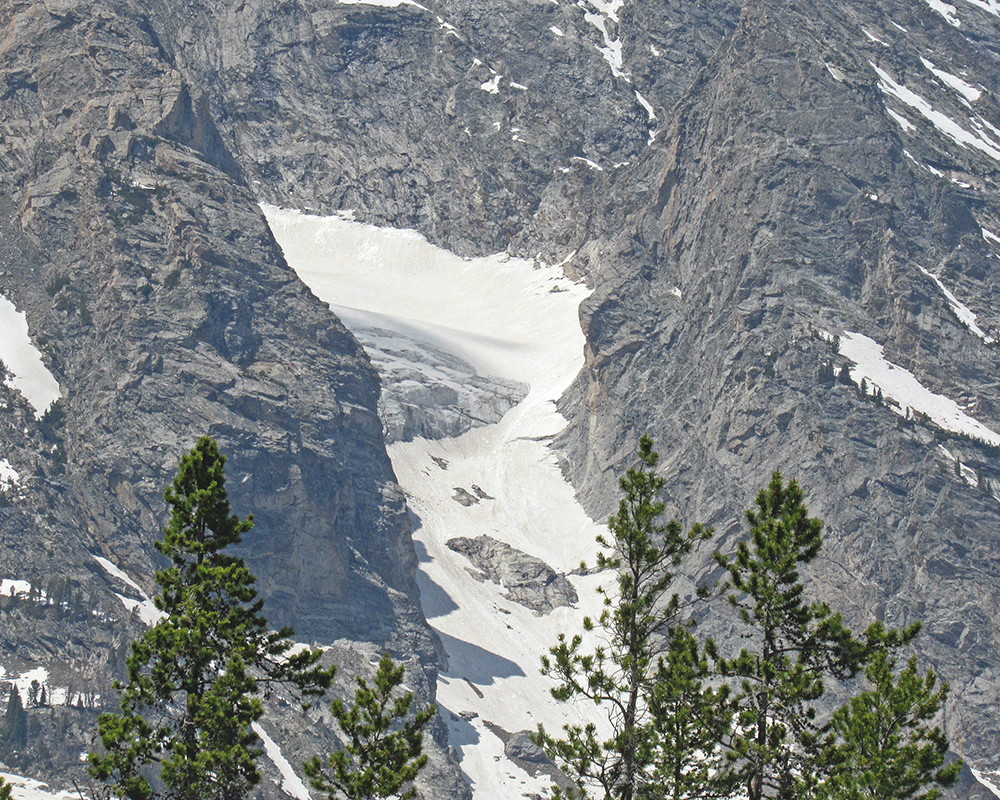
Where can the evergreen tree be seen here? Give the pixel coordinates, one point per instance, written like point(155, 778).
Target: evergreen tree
point(883, 743)
point(4, 790)
point(384, 750)
point(195, 678)
point(14, 727)
point(637, 624)
point(796, 645)
point(691, 718)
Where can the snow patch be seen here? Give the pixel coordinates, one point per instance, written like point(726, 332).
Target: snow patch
point(9, 476)
point(946, 10)
point(902, 121)
point(9, 588)
point(291, 784)
point(382, 3)
point(967, 90)
point(519, 86)
point(592, 164)
point(989, 236)
point(964, 313)
point(902, 386)
point(518, 320)
point(646, 105)
point(29, 374)
point(989, 782)
point(492, 85)
point(992, 6)
point(942, 122)
point(612, 50)
point(28, 789)
point(873, 38)
point(556, 31)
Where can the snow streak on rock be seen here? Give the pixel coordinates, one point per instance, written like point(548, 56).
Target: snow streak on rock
point(902, 386)
point(19, 355)
point(517, 321)
point(291, 784)
point(963, 312)
point(942, 122)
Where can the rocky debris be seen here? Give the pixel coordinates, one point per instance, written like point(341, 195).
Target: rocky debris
point(462, 497)
point(524, 753)
point(527, 580)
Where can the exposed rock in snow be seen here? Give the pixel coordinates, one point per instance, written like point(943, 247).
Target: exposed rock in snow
point(527, 580)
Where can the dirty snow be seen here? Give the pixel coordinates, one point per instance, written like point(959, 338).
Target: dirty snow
point(964, 313)
point(291, 784)
point(967, 90)
point(513, 319)
point(21, 357)
point(941, 121)
point(902, 386)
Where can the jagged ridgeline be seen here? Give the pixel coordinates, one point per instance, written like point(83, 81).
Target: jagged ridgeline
point(738, 183)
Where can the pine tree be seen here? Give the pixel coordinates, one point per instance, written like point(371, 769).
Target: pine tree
point(637, 624)
point(690, 719)
point(384, 750)
point(14, 726)
point(4, 790)
point(883, 743)
point(795, 646)
point(195, 679)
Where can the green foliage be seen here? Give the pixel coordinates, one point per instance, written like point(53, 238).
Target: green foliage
point(384, 750)
point(883, 744)
point(195, 679)
point(637, 626)
point(4, 790)
point(794, 646)
point(691, 718)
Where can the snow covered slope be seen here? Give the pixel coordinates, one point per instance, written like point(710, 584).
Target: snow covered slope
point(511, 319)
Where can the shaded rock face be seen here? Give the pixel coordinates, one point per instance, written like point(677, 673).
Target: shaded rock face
point(161, 304)
point(527, 580)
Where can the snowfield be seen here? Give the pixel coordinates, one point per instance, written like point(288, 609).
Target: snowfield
point(22, 359)
point(512, 319)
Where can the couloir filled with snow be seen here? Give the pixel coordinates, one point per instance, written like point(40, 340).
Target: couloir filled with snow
point(511, 319)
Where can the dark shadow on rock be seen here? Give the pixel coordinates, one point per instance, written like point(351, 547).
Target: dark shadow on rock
point(434, 600)
point(461, 731)
point(476, 664)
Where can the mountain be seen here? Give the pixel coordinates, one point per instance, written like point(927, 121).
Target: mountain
point(757, 195)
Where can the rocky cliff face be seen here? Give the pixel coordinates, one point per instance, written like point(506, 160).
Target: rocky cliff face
point(799, 189)
point(737, 180)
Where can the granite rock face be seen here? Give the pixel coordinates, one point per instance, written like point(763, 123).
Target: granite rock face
point(527, 580)
point(738, 181)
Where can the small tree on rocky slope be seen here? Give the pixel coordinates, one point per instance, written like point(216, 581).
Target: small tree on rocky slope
point(384, 749)
point(642, 628)
point(195, 679)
